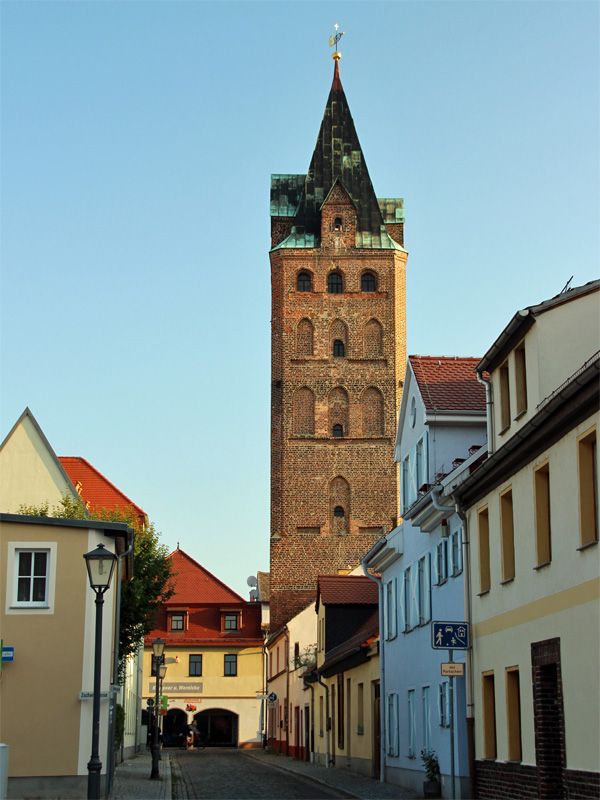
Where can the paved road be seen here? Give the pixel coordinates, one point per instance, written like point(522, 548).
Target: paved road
point(227, 774)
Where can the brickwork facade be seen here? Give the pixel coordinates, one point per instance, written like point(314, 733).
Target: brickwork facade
point(338, 356)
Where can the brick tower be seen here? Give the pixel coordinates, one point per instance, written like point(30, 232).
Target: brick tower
point(338, 356)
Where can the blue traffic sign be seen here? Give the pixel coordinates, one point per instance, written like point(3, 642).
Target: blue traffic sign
point(8, 653)
point(450, 635)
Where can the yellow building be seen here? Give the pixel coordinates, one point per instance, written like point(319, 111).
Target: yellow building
point(531, 514)
point(347, 732)
point(47, 614)
point(214, 657)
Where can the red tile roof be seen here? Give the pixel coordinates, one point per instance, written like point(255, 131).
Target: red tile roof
point(195, 584)
point(96, 490)
point(346, 590)
point(448, 383)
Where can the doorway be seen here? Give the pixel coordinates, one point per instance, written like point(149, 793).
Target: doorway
point(548, 718)
point(376, 758)
point(174, 728)
point(217, 728)
point(307, 733)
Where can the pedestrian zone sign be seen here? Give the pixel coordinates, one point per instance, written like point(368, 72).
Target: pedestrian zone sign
point(450, 635)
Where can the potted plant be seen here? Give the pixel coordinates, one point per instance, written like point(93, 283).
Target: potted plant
point(432, 786)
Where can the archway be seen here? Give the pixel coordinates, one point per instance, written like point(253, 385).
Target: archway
point(217, 727)
point(174, 728)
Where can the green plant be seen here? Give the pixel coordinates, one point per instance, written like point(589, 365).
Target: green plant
point(119, 726)
point(431, 764)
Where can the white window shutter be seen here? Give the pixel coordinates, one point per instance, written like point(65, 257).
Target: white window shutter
point(436, 559)
point(401, 604)
point(385, 610)
point(412, 476)
point(394, 609)
point(414, 597)
point(427, 586)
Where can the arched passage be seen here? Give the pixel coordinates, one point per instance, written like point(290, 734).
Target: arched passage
point(217, 727)
point(174, 728)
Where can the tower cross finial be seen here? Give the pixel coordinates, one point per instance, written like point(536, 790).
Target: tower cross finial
point(333, 42)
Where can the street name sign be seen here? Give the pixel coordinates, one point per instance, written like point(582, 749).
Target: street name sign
point(8, 653)
point(453, 669)
point(450, 635)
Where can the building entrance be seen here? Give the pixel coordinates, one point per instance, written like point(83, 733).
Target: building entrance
point(174, 728)
point(217, 728)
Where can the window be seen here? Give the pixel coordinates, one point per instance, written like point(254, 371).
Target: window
point(588, 489)
point(321, 715)
point(419, 465)
point(195, 665)
point(504, 397)
point(32, 577)
point(407, 600)
point(177, 622)
point(271, 664)
point(360, 709)
point(338, 511)
point(508, 536)
point(456, 552)
point(426, 721)
point(231, 622)
point(340, 710)
point(337, 431)
point(513, 714)
point(441, 559)
point(444, 704)
point(390, 609)
point(339, 348)
point(338, 224)
point(304, 282)
point(368, 282)
point(489, 715)
point(335, 283)
point(411, 724)
point(392, 727)
point(413, 412)
point(484, 551)
point(296, 655)
point(520, 380)
point(543, 543)
point(338, 408)
point(305, 334)
point(230, 665)
point(423, 589)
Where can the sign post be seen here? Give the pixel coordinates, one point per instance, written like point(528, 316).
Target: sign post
point(451, 636)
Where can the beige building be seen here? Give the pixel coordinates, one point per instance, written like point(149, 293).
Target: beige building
point(47, 614)
point(531, 514)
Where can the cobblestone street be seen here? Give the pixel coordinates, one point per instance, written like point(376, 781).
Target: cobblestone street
point(227, 774)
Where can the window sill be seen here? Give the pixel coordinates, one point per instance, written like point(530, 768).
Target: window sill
point(29, 607)
point(507, 581)
point(588, 544)
point(541, 566)
point(442, 582)
point(503, 431)
point(483, 594)
point(518, 417)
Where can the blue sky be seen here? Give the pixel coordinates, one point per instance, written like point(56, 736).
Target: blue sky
point(137, 143)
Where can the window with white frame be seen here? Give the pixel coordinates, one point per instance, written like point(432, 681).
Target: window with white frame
point(444, 704)
point(390, 609)
point(406, 482)
point(392, 726)
point(419, 465)
point(426, 721)
point(407, 599)
point(441, 562)
point(412, 727)
point(456, 552)
point(32, 578)
point(423, 590)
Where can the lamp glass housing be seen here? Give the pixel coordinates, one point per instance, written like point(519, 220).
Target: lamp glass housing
point(163, 670)
point(158, 647)
point(100, 565)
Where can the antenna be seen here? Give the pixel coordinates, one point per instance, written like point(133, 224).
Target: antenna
point(254, 595)
point(251, 580)
point(567, 286)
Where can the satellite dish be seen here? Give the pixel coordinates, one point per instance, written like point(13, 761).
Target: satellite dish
point(251, 580)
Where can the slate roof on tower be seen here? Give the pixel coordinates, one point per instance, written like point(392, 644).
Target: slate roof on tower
point(448, 383)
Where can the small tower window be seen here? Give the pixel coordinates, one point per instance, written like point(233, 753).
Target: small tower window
point(339, 348)
point(338, 224)
point(368, 282)
point(338, 431)
point(304, 282)
point(338, 511)
point(335, 284)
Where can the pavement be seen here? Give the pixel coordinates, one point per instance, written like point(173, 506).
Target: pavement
point(132, 779)
point(349, 784)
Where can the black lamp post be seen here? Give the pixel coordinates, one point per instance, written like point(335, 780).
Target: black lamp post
point(158, 649)
point(100, 564)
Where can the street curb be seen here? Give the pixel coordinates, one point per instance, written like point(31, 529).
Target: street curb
point(288, 771)
point(168, 784)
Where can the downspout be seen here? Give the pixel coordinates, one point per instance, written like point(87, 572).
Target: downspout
point(264, 716)
point(489, 411)
point(470, 679)
point(382, 703)
point(328, 761)
point(435, 495)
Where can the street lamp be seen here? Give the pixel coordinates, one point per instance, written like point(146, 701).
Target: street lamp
point(159, 669)
point(100, 564)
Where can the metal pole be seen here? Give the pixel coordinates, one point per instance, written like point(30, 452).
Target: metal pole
point(155, 775)
point(451, 658)
point(94, 764)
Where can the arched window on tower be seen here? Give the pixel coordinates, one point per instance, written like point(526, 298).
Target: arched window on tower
point(338, 336)
point(338, 406)
point(303, 412)
point(339, 506)
point(305, 338)
point(335, 283)
point(373, 339)
point(339, 348)
point(338, 224)
point(368, 282)
point(372, 412)
point(337, 431)
point(304, 282)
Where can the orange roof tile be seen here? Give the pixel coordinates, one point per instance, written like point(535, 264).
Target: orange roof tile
point(195, 584)
point(96, 490)
point(346, 590)
point(448, 383)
